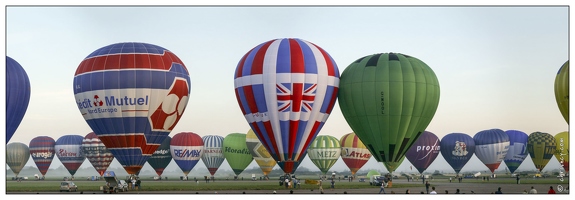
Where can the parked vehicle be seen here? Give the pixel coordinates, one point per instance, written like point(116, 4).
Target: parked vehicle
point(113, 185)
point(68, 186)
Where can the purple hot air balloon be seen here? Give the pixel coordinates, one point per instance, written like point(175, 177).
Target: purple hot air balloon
point(424, 151)
point(69, 151)
point(42, 152)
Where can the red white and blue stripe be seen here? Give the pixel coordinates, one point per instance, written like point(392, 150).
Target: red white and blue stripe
point(69, 151)
point(42, 151)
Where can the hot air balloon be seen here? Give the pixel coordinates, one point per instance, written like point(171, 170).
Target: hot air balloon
point(162, 157)
point(260, 153)
point(424, 151)
point(562, 90)
point(17, 96)
point(17, 155)
point(491, 147)
point(541, 147)
point(517, 149)
point(562, 150)
point(236, 152)
point(286, 89)
point(132, 95)
point(388, 99)
point(187, 149)
point(457, 149)
point(69, 151)
point(353, 152)
point(324, 151)
point(213, 156)
point(42, 152)
point(95, 151)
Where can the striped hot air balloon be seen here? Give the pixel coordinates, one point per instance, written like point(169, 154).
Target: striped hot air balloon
point(186, 149)
point(42, 151)
point(213, 156)
point(353, 152)
point(69, 151)
point(17, 155)
point(491, 147)
point(324, 151)
point(541, 147)
point(260, 153)
point(97, 153)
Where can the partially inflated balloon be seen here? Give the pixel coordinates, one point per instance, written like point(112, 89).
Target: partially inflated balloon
point(353, 152)
point(161, 157)
point(388, 100)
point(17, 96)
point(132, 95)
point(541, 147)
point(517, 149)
point(213, 156)
point(491, 147)
point(424, 151)
point(260, 153)
point(42, 152)
point(17, 155)
point(324, 151)
point(286, 89)
point(236, 152)
point(97, 153)
point(562, 90)
point(457, 149)
point(69, 151)
point(187, 149)
point(562, 150)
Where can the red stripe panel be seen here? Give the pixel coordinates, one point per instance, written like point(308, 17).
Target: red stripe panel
point(129, 141)
point(240, 66)
point(312, 132)
point(269, 130)
point(297, 96)
point(332, 100)
point(297, 60)
point(330, 65)
point(239, 101)
point(249, 94)
point(293, 127)
point(116, 61)
point(258, 62)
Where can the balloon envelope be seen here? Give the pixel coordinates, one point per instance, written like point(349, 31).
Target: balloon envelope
point(353, 152)
point(132, 95)
point(457, 149)
point(17, 96)
point(42, 151)
point(213, 156)
point(562, 149)
point(69, 151)
point(562, 90)
point(286, 89)
point(424, 151)
point(517, 149)
point(186, 149)
point(97, 153)
point(161, 157)
point(324, 151)
point(17, 155)
point(541, 147)
point(491, 147)
point(260, 153)
point(236, 152)
point(388, 100)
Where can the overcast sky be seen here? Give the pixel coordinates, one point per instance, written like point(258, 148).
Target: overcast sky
point(496, 65)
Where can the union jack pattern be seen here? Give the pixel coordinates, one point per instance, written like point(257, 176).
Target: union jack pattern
point(287, 97)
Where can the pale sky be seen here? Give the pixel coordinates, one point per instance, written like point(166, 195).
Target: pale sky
point(496, 65)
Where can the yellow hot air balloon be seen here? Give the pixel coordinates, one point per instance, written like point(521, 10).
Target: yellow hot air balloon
point(260, 153)
point(562, 150)
point(562, 90)
point(353, 152)
point(541, 147)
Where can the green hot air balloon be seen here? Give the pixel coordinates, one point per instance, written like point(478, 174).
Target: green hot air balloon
point(17, 155)
point(324, 152)
point(388, 100)
point(541, 148)
point(562, 90)
point(236, 152)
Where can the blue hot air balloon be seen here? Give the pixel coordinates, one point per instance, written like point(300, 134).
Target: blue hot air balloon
point(457, 149)
point(517, 149)
point(491, 147)
point(17, 96)
point(69, 151)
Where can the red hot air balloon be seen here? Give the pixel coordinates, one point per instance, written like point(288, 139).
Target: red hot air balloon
point(353, 152)
point(42, 151)
point(97, 153)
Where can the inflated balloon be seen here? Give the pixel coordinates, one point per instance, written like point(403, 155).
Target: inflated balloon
point(97, 153)
point(17, 155)
point(388, 99)
point(286, 89)
point(69, 151)
point(132, 95)
point(562, 150)
point(260, 153)
point(562, 90)
point(457, 149)
point(162, 157)
point(213, 156)
point(17, 96)
point(42, 151)
point(187, 149)
point(353, 152)
point(236, 152)
point(517, 149)
point(541, 147)
point(324, 151)
point(491, 147)
point(424, 151)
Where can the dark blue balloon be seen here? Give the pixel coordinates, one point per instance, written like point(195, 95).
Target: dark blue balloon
point(17, 96)
point(457, 149)
point(517, 149)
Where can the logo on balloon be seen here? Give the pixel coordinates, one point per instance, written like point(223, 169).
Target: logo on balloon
point(460, 149)
point(168, 113)
point(187, 153)
point(355, 154)
point(64, 153)
point(97, 102)
point(42, 155)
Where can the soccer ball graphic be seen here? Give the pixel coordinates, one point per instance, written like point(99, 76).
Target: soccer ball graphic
point(166, 116)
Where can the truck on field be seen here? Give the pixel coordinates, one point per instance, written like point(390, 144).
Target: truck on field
point(113, 184)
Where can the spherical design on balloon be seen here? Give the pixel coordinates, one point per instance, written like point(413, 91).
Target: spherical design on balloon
point(17, 96)
point(388, 100)
point(187, 149)
point(286, 89)
point(457, 149)
point(42, 152)
point(424, 151)
point(562, 149)
point(562, 90)
point(132, 95)
point(541, 147)
point(17, 155)
point(517, 149)
point(491, 147)
point(353, 152)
